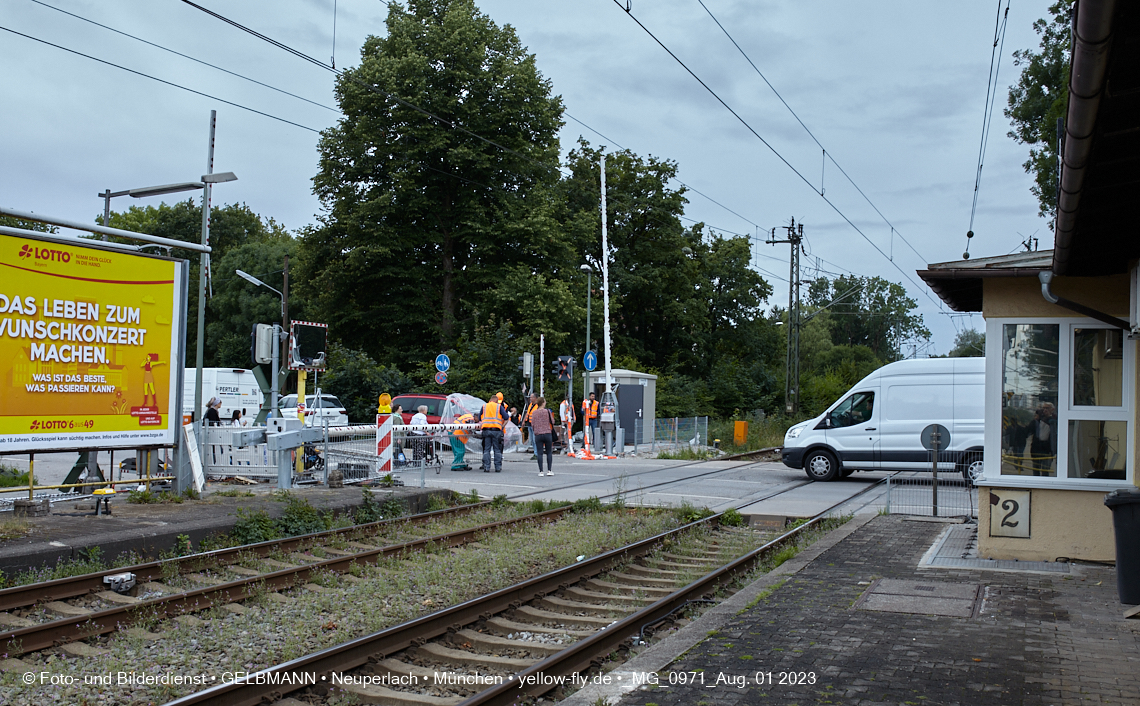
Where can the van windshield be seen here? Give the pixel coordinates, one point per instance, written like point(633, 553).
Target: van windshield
point(856, 409)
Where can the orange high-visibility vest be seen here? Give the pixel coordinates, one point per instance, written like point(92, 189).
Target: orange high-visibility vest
point(493, 415)
point(462, 434)
point(589, 409)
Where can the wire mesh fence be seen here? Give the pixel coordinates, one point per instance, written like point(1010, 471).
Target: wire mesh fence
point(677, 432)
point(922, 493)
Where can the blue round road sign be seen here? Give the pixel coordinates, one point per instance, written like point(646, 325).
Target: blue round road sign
point(441, 378)
point(442, 363)
point(590, 360)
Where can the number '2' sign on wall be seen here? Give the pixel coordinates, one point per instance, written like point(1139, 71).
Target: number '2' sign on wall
point(1009, 513)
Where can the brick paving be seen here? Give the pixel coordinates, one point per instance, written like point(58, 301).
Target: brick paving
point(1038, 639)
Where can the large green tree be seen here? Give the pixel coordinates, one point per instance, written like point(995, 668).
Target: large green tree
point(868, 311)
point(1039, 99)
point(424, 223)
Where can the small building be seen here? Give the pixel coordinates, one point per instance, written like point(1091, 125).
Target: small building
point(1061, 324)
point(637, 399)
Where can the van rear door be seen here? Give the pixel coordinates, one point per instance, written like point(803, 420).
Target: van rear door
point(853, 430)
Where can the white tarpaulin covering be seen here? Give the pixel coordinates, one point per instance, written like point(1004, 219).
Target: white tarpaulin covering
point(457, 404)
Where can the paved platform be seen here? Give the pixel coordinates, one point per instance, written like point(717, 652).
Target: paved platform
point(855, 620)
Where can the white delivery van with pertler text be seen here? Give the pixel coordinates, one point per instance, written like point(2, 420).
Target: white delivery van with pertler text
point(878, 424)
point(236, 388)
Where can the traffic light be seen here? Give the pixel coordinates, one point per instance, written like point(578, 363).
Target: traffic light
point(261, 349)
point(526, 365)
point(556, 369)
point(564, 368)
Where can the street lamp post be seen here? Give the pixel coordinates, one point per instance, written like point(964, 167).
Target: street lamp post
point(277, 336)
point(209, 178)
point(162, 190)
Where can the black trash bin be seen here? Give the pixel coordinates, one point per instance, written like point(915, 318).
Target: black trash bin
point(1125, 506)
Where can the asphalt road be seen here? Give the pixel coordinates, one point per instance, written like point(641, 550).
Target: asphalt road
point(717, 485)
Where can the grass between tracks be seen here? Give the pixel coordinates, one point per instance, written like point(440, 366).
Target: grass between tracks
point(391, 592)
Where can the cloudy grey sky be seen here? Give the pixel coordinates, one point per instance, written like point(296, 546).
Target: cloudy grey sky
point(893, 90)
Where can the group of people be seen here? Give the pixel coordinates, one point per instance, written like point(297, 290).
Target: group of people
point(213, 416)
point(492, 418)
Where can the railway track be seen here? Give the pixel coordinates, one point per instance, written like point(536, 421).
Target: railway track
point(82, 607)
point(521, 642)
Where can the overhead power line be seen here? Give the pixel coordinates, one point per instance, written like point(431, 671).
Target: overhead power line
point(827, 155)
point(776, 152)
point(987, 117)
point(185, 56)
point(690, 188)
point(155, 78)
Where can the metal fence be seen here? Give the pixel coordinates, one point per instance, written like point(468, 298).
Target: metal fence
point(678, 432)
point(921, 493)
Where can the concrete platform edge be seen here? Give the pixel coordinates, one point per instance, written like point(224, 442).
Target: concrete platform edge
point(660, 655)
point(149, 541)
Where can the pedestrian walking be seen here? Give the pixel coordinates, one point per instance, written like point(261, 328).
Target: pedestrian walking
point(566, 414)
point(212, 418)
point(492, 418)
point(542, 422)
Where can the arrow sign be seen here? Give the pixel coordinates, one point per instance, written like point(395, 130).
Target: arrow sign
point(442, 363)
point(590, 360)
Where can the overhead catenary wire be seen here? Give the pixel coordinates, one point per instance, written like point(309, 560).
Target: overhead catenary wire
point(778, 155)
point(160, 80)
point(1000, 23)
point(185, 56)
point(826, 154)
point(387, 94)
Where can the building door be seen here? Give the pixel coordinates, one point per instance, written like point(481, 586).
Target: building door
point(631, 405)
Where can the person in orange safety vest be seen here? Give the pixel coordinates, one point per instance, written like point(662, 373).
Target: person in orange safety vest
point(459, 443)
point(492, 420)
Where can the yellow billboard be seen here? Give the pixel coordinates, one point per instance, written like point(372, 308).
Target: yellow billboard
point(90, 346)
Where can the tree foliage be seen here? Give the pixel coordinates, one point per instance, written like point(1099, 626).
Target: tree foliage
point(240, 239)
point(1040, 98)
point(868, 311)
point(424, 221)
point(969, 343)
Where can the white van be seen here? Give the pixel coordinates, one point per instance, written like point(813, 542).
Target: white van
point(877, 425)
point(236, 388)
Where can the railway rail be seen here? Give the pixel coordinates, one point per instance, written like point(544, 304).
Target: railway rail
point(220, 576)
point(511, 640)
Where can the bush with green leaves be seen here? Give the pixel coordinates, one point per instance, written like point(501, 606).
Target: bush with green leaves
point(254, 526)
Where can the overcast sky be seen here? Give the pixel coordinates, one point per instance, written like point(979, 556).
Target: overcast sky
point(895, 92)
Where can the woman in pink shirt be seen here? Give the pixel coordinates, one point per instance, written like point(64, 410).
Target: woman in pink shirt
point(542, 420)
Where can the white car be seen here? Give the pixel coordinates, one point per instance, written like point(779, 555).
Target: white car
point(318, 412)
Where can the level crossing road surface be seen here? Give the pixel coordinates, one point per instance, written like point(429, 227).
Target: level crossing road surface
point(716, 484)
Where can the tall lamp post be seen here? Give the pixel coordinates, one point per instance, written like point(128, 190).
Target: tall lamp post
point(209, 179)
point(277, 334)
point(589, 283)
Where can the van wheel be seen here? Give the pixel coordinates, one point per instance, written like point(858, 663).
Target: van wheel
point(821, 466)
point(971, 467)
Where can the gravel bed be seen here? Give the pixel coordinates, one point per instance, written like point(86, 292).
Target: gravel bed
point(270, 631)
